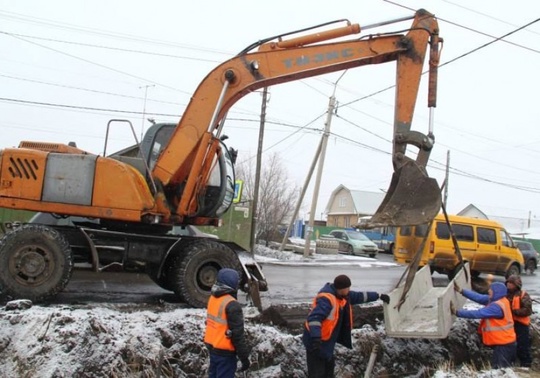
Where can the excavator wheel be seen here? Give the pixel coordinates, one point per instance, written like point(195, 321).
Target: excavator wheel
point(35, 263)
point(194, 271)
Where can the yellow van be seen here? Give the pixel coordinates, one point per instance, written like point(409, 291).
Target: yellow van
point(485, 244)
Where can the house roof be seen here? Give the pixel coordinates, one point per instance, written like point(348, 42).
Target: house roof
point(472, 211)
point(364, 202)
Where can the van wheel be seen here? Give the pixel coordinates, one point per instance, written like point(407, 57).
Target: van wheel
point(530, 266)
point(513, 270)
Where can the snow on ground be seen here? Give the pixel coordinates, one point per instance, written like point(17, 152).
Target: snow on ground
point(129, 340)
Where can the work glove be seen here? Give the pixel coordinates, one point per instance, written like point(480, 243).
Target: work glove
point(245, 364)
point(315, 345)
point(385, 298)
point(453, 309)
point(457, 288)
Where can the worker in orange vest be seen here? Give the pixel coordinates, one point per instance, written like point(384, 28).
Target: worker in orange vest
point(521, 309)
point(224, 336)
point(496, 324)
point(330, 321)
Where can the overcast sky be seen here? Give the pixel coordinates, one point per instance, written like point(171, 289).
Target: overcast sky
point(68, 67)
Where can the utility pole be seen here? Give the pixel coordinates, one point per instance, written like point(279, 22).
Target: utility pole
point(144, 106)
point(447, 175)
point(258, 172)
point(302, 194)
point(309, 230)
point(324, 142)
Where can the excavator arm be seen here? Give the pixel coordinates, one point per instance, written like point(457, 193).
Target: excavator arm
point(187, 159)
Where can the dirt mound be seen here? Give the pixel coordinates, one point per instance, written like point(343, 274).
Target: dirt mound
point(166, 341)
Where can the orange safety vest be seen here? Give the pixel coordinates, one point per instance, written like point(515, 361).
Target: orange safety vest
point(216, 323)
point(329, 324)
point(499, 331)
point(516, 303)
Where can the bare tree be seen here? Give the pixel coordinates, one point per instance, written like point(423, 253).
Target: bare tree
point(277, 196)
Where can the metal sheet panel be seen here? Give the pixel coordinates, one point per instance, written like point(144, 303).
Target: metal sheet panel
point(69, 178)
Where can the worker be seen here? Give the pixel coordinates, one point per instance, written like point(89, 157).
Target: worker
point(521, 305)
point(496, 325)
point(330, 321)
point(224, 336)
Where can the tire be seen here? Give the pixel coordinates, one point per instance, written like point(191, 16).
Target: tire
point(530, 266)
point(391, 250)
point(162, 281)
point(349, 250)
point(35, 263)
point(513, 270)
point(194, 270)
point(372, 255)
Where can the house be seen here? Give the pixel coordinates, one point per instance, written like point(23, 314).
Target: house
point(345, 206)
point(472, 211)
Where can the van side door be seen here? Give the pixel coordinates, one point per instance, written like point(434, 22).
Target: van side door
point(445, 255)
point(487, 250)
point(509, 253)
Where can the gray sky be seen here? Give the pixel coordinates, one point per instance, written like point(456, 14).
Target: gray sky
point(87, 57)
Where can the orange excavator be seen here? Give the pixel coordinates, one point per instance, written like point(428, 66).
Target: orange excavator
point(184, 173)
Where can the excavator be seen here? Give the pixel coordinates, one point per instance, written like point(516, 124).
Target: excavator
point(184, 173)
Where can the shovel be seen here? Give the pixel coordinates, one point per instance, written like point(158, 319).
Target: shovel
point(413, 198)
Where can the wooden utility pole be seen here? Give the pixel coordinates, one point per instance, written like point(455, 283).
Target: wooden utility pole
point(447, 175)
point(309, 229)
point(258, 172)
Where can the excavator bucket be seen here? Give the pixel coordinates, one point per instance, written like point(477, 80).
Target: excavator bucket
point(413, 198)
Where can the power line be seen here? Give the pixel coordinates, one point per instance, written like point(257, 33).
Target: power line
point(88, 90)
point(474, 30)
point(110, 48)
point(102, 32)
point(101, 65)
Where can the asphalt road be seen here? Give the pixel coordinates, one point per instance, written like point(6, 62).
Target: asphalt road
point(287, 283)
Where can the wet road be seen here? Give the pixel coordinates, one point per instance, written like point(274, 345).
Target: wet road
point(287, 283)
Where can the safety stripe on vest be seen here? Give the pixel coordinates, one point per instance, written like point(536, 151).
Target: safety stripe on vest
point(488, 326)
point(219, 317)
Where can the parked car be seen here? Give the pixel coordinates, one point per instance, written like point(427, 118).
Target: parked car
point(354, 243)
point(530, 255)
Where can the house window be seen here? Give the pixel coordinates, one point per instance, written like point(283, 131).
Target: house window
point(342, 201)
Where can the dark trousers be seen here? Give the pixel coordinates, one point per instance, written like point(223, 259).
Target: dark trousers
point(503, 355)
point(523, 344)
point(318, 367)
point(222, 366)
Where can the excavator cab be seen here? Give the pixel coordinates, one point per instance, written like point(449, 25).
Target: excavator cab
point(219, 193)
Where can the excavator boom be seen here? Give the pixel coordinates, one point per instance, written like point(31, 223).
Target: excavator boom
point(276, 62)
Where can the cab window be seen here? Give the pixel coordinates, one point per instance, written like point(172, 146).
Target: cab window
point(506, 240)
point(421, 230)
point(405, 231)
point(486, 235)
